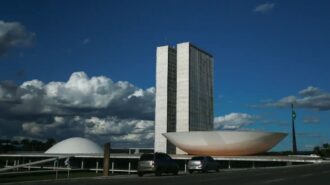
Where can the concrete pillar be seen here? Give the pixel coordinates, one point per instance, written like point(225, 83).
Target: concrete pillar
point(112, 167)
point(29, 167)
point(185, 166)
point(15, 163)
point(253, 164)
point(129, 167)
point(82, 164)
point(229, 165)
point(54, 167)
point(6, 163)
point(97, 167)
point(106, 159)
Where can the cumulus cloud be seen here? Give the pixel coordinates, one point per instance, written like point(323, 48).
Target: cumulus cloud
point(7, 91)
point(310, 91)
point(264, 8)
point(80, 94)
point(94, 107)
point(13, 34)
point(34, 128)
point(234, 120)
point(309, 98)
point(102, 129)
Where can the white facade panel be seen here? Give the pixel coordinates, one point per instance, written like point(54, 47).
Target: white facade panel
point(161, 98)
point(165, 111)
point(182, 97)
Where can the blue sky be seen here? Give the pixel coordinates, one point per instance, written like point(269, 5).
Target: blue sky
point(263, 52)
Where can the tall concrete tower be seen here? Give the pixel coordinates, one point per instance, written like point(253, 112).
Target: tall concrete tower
point(184, 92)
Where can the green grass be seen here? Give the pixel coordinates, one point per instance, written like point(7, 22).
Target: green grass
point(46, 176)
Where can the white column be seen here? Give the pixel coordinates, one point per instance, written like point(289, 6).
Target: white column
point(82, 164)
point(129, 167)
point(185, 167)
point(97, 167)
point(29, 167)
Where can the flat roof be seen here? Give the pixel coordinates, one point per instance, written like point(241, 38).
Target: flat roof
point(190, 44)
point(201, 50)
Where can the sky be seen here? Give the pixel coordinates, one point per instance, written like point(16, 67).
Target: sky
point(87, 68)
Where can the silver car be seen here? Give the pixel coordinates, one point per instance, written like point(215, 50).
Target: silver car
point(157, 163)
point(203, 164)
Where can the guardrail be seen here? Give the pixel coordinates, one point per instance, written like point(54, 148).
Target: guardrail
point(29, 164)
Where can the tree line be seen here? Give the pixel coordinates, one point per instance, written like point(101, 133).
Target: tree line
point(30, 145)
point(323, 151)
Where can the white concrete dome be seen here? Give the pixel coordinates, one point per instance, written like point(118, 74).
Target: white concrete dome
point(75, 145)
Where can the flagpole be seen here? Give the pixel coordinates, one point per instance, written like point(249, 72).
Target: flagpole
point(294, 144)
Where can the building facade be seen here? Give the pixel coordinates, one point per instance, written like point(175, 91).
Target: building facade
point(184, 92)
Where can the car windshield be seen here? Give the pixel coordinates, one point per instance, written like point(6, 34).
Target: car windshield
point(197, 158)
point(147, 157)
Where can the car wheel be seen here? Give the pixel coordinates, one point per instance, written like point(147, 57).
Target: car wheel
point(204, 170)
point(158, 173)
point(140, 174)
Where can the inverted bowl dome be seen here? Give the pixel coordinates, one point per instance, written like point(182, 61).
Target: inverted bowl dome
point(226, 143)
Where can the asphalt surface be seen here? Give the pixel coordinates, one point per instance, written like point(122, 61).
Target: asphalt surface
point(296, 175)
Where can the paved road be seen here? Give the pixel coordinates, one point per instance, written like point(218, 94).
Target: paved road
point(296, 175)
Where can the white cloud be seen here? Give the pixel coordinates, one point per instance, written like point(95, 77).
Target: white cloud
point(13, 34)
point(234, 120)
point(94, 107)
point(96, 94)
point(310, 91)
point(108, 128)
point(309, 98)
point(264, 8)
point(113, 125)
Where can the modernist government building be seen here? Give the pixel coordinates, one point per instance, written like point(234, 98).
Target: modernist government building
point(184, 92)
point(184, 108)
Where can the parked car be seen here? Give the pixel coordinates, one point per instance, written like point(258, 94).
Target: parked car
point(203, 164)
point(157, 163)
